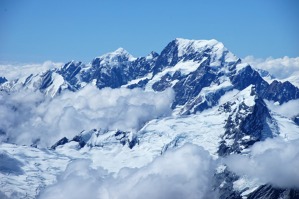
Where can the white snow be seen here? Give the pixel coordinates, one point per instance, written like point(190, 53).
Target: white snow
point(186, 45)
point(240, 66)
point(40, 168)
point(246, 185)
point(135, 81)
point(33, 83)
point(288, 130)
point(58, 83)
point(202, 129)
point(215, 87)
point(112, 57)
point(239, 96)
point(245, 96)
point(228, 96)
point(185, 67)
point(19, 70)
point(283, 114)
point(294, 79)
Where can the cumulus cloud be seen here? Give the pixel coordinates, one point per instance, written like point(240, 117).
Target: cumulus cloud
point(285, 108)
point(28, 117)
point(78, 181)
point(16, 71)
point(281, 68)
point(183, 173)
point(273, 161)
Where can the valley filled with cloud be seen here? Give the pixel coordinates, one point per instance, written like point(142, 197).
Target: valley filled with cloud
point(28, 117)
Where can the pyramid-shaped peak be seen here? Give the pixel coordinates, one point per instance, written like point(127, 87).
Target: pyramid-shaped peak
point(120, 51)
point(119, 54)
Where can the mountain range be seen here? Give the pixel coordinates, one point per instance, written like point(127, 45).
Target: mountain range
point(210, 97)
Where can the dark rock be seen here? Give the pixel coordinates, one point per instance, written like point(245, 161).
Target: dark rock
point(248, 121)
point(224, 185)
point(3, 80)
point(269, 192)
point(281, 92)
point(62, 141)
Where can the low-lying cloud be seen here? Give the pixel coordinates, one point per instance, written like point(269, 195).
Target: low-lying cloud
point(284, 109)
point(186, 172)
point(16, 71)
point(281, 68)
point(28, 117)
point(273, 161)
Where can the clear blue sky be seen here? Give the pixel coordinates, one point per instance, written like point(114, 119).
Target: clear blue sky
point(63, 30)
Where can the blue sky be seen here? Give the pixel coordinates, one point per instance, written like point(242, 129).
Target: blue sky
point(63, 30)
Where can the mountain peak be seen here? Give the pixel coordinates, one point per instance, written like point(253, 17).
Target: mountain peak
point(187, 45)
point(178, 39)
point(120, 50)
point(119, 54)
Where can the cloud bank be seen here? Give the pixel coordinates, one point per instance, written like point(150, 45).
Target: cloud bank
point(273, 161)
point(16, 71)
point(281, 67)
point(284, 109)
point(182, 173)
point(27, 117)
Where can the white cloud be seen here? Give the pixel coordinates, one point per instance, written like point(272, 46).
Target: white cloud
point(281, 68)
point(183, 173)
point(78, 181)
point(26, 116)
point(16, 71)
point(288, 109)
point(273, 161)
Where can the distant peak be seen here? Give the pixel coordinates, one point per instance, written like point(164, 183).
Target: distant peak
point(118, 53)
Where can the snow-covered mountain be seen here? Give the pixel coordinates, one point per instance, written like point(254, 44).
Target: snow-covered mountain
point(217, 102)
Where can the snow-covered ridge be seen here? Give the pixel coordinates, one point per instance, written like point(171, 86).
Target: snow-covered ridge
point(186, 45)
point(219, 52)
